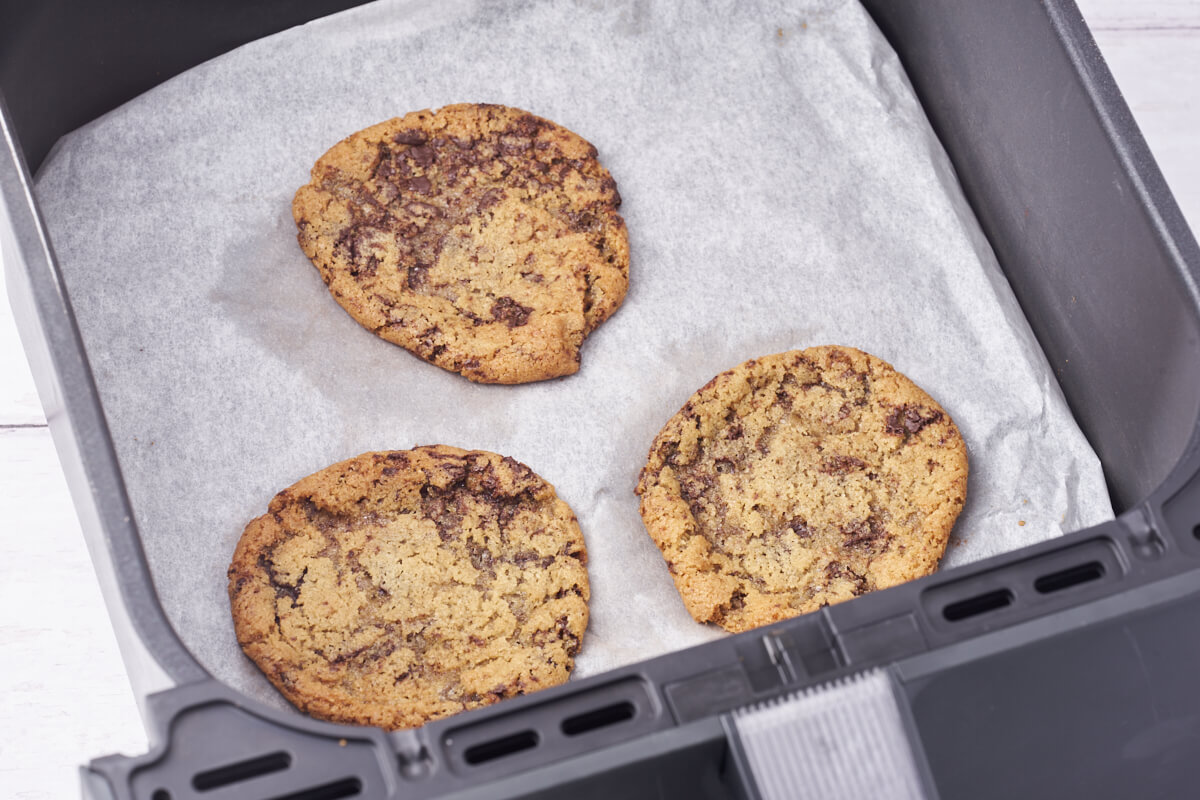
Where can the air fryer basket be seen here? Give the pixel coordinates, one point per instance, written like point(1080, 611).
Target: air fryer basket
point(1066, 664)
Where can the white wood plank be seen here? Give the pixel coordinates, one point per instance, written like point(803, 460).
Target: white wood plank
point(19, 403)
point(66, 698)
point(1158, 71)
point(1140, 15)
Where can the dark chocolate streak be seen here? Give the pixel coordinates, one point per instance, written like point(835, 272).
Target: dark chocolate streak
point(510, 312)
point(907, 420)
point(864, 534)
point(841, 465)
point(836, 569)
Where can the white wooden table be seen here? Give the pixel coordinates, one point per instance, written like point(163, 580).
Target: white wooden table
point(64, 695)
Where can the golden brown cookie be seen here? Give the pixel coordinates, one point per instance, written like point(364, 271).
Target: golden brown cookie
point(481, 238)
point(395, 588)
point(798, 480)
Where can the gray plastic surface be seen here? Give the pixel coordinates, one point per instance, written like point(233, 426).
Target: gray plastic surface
point(1021, 670)
point(1091, 240)
point(1100, 703)
point(839, 741)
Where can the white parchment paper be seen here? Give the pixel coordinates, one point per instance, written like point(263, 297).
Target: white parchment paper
point(782, 189)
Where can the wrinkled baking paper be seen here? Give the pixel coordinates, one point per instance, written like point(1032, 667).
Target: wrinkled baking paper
point(782, 189)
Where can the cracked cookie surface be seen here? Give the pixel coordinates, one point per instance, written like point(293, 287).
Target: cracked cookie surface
point(399, 587)
point(799, 480)
point(481, 238)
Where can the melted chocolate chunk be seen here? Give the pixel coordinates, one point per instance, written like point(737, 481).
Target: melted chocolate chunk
point(445, 509)
point(907, 420)
point(481, 557)
point(418, 277)
point(323, 519)
point(693, 485)
point(510, 312)
point(525, 126)
point(841, 465)
point(420, 185)
point(562, 627)
point(864, 534)
point(526, 557)
point(422, 155)
point(583, 221)
point(835, 570)
point(490, 198)
point(410, 137)
point(282, 588)
point(800, 528)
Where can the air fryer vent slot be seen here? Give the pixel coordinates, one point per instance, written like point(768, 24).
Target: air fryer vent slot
point(499, 748)
point(598, 718)
point(347, 787)
point(240, 771)
point(979, 604)
point(1071, 576)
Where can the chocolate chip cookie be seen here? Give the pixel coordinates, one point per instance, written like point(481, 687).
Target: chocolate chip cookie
point(798, 480)
point(398, 587)
point(483, 239)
